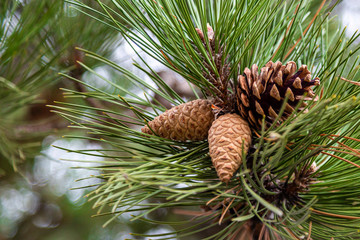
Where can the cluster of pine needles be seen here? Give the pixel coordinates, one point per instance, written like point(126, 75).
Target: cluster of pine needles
point(300, 180)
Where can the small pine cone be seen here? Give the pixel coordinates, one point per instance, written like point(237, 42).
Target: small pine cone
point(228, 135)
point(187, 121)
point(263, 94)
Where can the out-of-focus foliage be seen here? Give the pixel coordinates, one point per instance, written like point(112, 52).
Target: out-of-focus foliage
point(38, 40)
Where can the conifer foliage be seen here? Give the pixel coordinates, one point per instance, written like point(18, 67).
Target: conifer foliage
point(283, 140)
point(37, 40)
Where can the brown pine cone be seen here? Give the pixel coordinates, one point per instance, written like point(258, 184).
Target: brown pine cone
point(228, 136)
point(263, 94)
point(187, 121)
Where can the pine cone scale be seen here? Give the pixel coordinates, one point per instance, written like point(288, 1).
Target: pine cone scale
point(274, 92)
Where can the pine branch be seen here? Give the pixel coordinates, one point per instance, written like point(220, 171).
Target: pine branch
point(36, 42)
point(300, 178)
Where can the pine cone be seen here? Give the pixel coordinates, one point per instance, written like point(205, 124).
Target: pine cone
point(228, 135)
point(187, 121)
point(262, 94)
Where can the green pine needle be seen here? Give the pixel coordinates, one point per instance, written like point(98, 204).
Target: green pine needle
point(179, 175)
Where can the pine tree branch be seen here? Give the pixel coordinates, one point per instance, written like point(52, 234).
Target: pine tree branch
point(275, 189)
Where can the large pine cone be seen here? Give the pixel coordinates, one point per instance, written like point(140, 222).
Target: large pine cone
point(228, 136)
point(187, 121)
point(263, 94)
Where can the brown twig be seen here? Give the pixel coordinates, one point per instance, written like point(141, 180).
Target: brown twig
point(311, 22)
point(291, 233)
point(168, 60)
point(287, 30)
point(334, 135)
point(342, 159)
point(310, 226)
point(225, 211)
point(216, 197)
point(334, 215)
point(346, 146)
point(334, 150)
point(352, 82)
point(262, 232)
